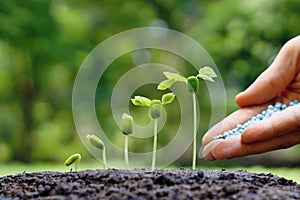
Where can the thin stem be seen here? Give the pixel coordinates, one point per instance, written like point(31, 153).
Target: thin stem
point(104, 158)
point(154, 144)
point(126, 151)
point(76, 166)
point(195, 131)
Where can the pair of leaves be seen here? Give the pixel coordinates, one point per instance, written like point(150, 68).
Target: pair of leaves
point(171, 79)
point(205, 73)
point(144, 101)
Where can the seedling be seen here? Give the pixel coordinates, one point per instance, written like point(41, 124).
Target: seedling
point(127, 122)
point(96, 142)
point(75, 158)
point(155, 107)
point(192, 84)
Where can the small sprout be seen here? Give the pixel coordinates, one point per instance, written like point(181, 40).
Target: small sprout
point(192, 83)
point(127, 122)
point(96, 142)
point(155, 108)
point(75, 158)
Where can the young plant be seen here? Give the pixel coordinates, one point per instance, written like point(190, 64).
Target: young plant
point(127, 122)
point(75, 158)
point(96, 142)
point(155, 107)
point(192, 84)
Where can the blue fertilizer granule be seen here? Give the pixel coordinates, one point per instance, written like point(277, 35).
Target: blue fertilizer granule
point(271, 109)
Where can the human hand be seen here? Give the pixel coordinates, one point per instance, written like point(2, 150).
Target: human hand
point(280, 82)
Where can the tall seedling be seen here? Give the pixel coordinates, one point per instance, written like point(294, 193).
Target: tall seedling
point(192, 85)
point(155, 107)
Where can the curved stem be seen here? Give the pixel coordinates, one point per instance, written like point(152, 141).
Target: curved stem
point(194, 131)
point(154, 144)
point(104, 158)
point(126, 151)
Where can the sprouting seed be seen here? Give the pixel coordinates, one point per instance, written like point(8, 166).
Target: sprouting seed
point(75, 158)
point(127, 128)
point(96, 142)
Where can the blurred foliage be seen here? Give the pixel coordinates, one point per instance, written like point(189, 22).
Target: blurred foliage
point(43, 43)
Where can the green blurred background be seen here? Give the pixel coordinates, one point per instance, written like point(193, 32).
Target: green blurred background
point(44, 42)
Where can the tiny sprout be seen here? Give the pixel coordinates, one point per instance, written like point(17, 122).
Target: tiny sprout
point(127, 122)
point(155, 107)
point(96, 142)
point(75, 158)
point(192, 83)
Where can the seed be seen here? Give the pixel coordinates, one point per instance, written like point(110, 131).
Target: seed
point(271, 109)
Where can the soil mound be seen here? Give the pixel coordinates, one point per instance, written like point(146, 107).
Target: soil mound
point(146, 184)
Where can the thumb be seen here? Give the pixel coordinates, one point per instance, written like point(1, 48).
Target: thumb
point(273, 81)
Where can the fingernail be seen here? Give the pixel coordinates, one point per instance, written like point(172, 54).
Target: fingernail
point(206, 151)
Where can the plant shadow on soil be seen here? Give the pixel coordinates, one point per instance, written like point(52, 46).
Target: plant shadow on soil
point(148, 184)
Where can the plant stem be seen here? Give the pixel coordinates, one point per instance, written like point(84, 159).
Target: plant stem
point(104, 158)
point(154, 145)
point(126, 151)
point(195, 132)
point(76, 166)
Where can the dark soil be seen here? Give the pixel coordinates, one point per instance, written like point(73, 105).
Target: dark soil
point(146, 184)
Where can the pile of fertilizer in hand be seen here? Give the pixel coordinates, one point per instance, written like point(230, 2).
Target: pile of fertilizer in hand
point(271, 109)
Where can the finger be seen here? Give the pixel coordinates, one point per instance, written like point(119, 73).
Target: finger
point(233, 147)
point(273, 81)
point(238, 117)
point(206, 151)
point(279, 124)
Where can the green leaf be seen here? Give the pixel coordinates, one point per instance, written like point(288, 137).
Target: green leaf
point(95, 141)
point(73, 158)
point(141, 101)
point(165, 84)
point(205, 77)
point(175, 76)
point(167, 98)
point(207, 71)
point(127, 122)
